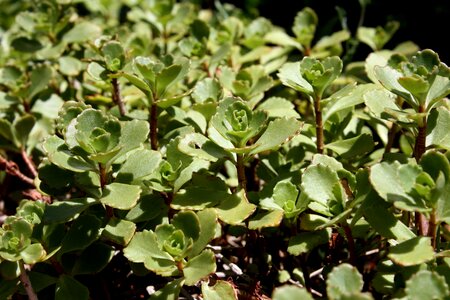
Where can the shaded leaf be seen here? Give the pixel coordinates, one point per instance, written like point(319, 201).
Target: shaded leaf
point(412, 252)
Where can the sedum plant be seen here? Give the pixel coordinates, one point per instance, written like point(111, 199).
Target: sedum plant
point(164, 150)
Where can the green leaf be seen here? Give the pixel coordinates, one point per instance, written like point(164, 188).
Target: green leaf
point(144, 245)
point(306, 241)
point(6, 130)
point(426, 285)
point(203, 191)
point(289, 292)
point(304, 27)
point(139, 163)
point(438, 123)
point(33, 253)
point(277, 133)
point(114, 56)
point(188, 222)
point(318, 182)
point(67, 288)
point(395, 182)
point(40, 77)
point(22, 128)
point(353, 147)
point(208, 222)
point(65, 211)
point(349, 96)
point(24, 44)
point(343, 280)
point(221, 290)
point(388, 77)
point(207, 90)
point(59, 154)
point(93, 259)
point(119, 231)
point(82, 32)
point(148, 208)
point(263, 219)
point(277, 107)
point(290, 76)
point(170, 76)
point(133, 134)
point(170, 291)
point(199, 267)
point(83, 232)
point(69, 65)
point(235, 209)
point(412, 252)
point(121, 196)
point(382, 220)
point(40, 281)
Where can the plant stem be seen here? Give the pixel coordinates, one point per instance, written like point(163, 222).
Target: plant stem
point(350, 241)
point(391, 136)
point(319, 125)
point(11, 168)
point(241, 172)
point(27, 283)
point(432, 228)
point(117, 98)
point(29, 162)
point(154, 126)
point(419, 149)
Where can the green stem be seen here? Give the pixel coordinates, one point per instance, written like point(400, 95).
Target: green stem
point(241, 172)
point(27, 283)
point(154, 126)
point(117, 98)
point(319, 125)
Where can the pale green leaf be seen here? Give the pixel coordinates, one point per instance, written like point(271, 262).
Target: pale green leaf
point(221, 290)
point(277, 133)
point(170, 291)
point(33, 253)
point(290, 292)
point(263, 219)
point(437, 128)
point(199, 267)
point(343, 279)
point(82, 32)
point(144, 245)
point(119, 231)
point(353, 147)
point(139, 163)
point(412, 252)
point(235, 209)
point(426, 285)
point(121, 196)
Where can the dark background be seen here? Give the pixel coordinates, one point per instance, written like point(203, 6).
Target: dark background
point(426, 23)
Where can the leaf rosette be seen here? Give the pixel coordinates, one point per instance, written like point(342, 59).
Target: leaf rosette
point(97, 134)
point(421, 81)
point(236, 122)
point(311, 76)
